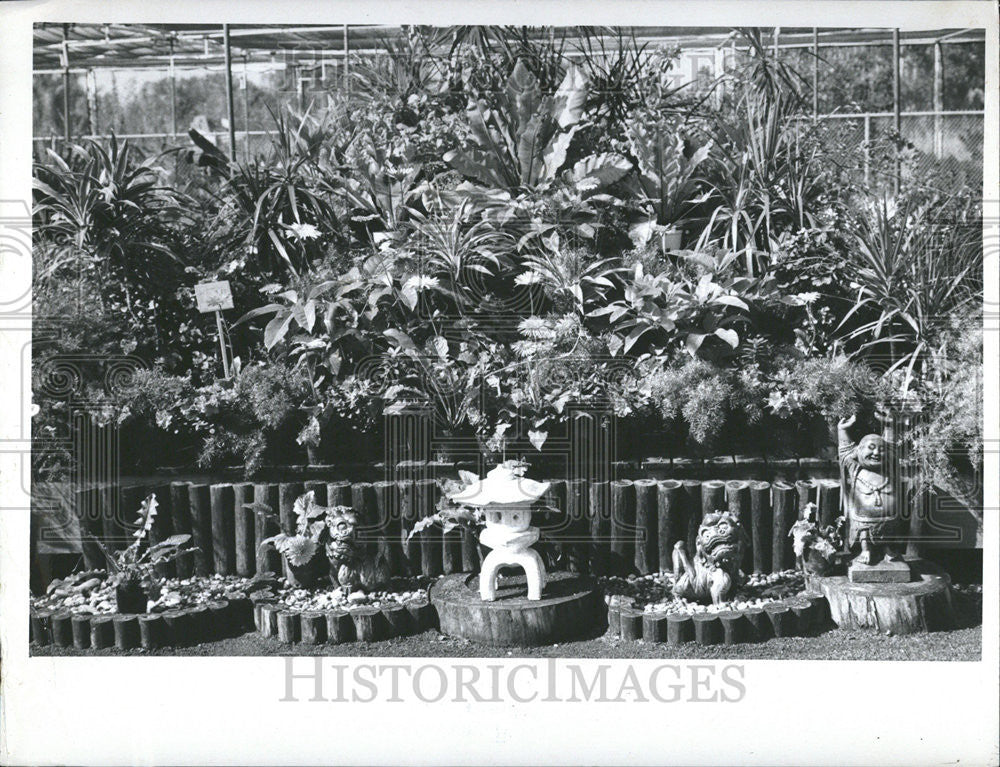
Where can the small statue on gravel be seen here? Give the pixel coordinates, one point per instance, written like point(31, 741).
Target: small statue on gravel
point(350, 568)
point(715, 573)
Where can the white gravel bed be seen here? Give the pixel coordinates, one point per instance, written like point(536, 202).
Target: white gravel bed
point(174, 594)
point(400, 591)
point(652, 593)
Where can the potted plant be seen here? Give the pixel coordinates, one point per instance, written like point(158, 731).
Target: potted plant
point(132, 568)
point(302, 550)
point(816, 548)
point(664, 181)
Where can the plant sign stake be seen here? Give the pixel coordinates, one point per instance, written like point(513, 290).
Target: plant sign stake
point(216, 297)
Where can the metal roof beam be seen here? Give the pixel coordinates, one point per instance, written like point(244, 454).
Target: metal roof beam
point(113, 46)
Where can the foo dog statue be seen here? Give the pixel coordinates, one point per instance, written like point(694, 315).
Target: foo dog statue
point(715, 573)
point(869, 485)
point(349, 567)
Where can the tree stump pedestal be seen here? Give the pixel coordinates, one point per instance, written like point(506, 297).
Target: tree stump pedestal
point(921, 605)
point(570, 608)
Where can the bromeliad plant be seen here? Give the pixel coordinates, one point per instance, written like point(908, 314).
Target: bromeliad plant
point(571, 278)
point(518, 164)
point(443, 379)
point(451, 254)
point(664, 181)
point(133, 568)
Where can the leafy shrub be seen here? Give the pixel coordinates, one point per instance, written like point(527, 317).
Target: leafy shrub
point(947, 444)
point(698, 301)
point(448, 233)
point(254, 417)
point(784, 405)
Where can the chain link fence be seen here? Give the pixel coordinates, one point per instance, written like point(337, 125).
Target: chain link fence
point(940, 95)
point(942, 151)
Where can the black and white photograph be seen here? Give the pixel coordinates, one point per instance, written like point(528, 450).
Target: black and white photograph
point(493, 364)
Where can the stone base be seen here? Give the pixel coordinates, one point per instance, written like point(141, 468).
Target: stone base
point(570, 608)
point(881, 572)
point(921, 605)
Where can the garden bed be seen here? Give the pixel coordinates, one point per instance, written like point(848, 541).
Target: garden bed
point(652, 593)
point(215, 612)
point(337, 615)
point(175, 594)
point(182, 626)
point(206, 608)
point(766, 606)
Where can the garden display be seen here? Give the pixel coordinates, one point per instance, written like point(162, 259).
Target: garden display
point(389, 389)
point(518, 348)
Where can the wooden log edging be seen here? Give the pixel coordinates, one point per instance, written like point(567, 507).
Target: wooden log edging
point(129, 631)
point(364, 623)
point(798, 615)
point(608, 526)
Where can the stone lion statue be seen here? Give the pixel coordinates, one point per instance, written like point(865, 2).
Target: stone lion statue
point(350, 567)
point(715, 572)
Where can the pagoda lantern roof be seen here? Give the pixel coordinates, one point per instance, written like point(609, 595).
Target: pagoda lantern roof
point(501, 486)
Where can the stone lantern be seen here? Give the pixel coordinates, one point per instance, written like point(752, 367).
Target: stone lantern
point(506, 500)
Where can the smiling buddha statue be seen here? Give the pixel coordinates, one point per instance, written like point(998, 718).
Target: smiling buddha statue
point(871, 495)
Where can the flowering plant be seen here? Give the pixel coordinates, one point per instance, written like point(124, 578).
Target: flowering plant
point(311, 531)
point(809, 539)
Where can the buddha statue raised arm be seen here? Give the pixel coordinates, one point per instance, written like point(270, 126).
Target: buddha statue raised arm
point(870, 491)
